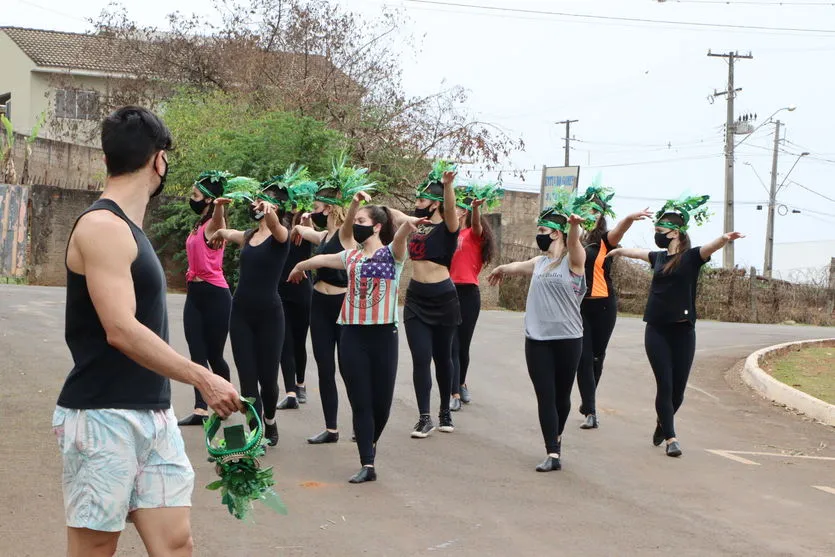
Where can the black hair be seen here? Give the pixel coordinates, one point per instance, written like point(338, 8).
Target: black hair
point(488, 242)
point(380, 214)
point(683, 241)
point(216, 188)
point(436, 189)
point(130, 136)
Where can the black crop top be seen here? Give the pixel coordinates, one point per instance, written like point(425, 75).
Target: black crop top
point(335, 277)
point(435, 243)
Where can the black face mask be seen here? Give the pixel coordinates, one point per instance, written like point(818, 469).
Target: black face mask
point(161, 181)
point(198, 206)
point(255, 215)
point(363, 232)
point(543, 241)
point(662, 241)
point(423, 213)
point(319, 219)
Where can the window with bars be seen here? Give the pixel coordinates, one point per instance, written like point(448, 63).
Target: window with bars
point(76, 104)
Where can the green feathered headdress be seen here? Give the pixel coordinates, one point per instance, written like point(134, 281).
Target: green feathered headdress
point(302, 195)
point(687, 207)
point(566, 204)
point(290, 181)
point(492, 194)
point(435, 176)
point(600, 197)
point(347, 180)
point(214, 177)
point(242, 188)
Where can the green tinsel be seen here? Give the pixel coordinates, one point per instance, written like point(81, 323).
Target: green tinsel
point(435, 176)
point(242, 480)
point(566, 204)
point(346, 180)
point(688, 207)
point(600, 197)
point(492, 194)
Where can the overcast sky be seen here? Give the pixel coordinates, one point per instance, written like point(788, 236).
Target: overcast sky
point(635, 87)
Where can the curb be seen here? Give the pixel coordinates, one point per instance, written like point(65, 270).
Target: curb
point(779, 392)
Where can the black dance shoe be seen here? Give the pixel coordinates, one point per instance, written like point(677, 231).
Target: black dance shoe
point(366, 474)
point(324, 437)
point(658, 436)
point(288, 403)
point(271, 434)
point(192, 419)
point(301, 392)
point(673, 449)
point(549, 464)
point(445, 422)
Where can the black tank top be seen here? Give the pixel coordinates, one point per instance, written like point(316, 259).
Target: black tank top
point(103, 377)
point(289, 290)
point(435, 243)
point(260, 270)
point(335, 277)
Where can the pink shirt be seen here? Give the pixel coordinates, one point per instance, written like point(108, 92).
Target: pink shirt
point(204, 263)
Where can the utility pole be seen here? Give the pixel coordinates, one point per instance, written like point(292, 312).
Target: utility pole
point(772, 201)
point(567, 137)
point(730, 94)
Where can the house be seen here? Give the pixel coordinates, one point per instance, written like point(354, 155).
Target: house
point(60, 74)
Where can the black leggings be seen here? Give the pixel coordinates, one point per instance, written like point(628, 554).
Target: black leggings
point(294, 353)
point(257, 334)
point(369, 355)
point(325, 337)
point(599, 316)
point(552, 365)
point(670, 348)
point(469, 298)
point(206, 324)
point(427, 343)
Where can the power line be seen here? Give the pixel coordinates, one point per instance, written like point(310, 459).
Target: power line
point(819, 194)
point(592, 17)
point(757, 3)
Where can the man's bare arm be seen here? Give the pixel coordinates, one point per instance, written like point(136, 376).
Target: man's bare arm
point(107, 250)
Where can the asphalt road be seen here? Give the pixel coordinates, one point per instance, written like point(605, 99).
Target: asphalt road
point(472, 492)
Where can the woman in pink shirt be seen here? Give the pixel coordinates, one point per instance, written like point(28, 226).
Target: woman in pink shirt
point(208, 301)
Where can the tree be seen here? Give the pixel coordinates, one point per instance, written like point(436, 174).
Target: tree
point(312, 58)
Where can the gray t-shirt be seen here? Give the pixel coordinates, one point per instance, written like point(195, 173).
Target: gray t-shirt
point(552, 311)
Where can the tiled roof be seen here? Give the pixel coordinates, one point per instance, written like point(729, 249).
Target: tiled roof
point(70, 50)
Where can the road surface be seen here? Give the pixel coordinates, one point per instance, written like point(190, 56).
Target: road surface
point(754, 479)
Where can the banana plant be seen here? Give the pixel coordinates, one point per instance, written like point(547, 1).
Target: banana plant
point(7, 171)
point(36, 129)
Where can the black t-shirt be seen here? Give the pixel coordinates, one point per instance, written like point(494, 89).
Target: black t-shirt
point(103, 377)
point(672, 297)
point(599, 269)
point(433, 242)
point(334, 277)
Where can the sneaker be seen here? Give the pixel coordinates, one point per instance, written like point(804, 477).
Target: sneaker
point(465, 394)
point(271, 434)
point(590, 423)
point(550, 464)
point(445, 419)
point(423, 428)
point(454, 404)
point(288, 403)
point(301, 392)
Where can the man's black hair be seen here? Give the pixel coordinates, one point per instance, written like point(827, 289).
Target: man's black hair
point(130, 136)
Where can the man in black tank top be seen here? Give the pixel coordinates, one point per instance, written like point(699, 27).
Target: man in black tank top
point(122, 452)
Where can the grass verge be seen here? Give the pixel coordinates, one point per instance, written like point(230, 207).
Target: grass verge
point(811, 370)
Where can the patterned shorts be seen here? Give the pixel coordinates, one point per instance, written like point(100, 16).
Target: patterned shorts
point(117, 461)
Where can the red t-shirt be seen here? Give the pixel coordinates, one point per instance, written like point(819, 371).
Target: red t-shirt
point(466, 262)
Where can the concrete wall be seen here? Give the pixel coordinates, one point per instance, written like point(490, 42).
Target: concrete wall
point(519, 211)
point(53, 214)
point(62, 164)
point(15, 72)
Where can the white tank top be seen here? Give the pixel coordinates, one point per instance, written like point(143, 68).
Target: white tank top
point(552, 311)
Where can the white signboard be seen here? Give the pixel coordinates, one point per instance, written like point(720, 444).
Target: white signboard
point(555, 178)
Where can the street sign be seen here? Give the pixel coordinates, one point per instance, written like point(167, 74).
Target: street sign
point(555, 178)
